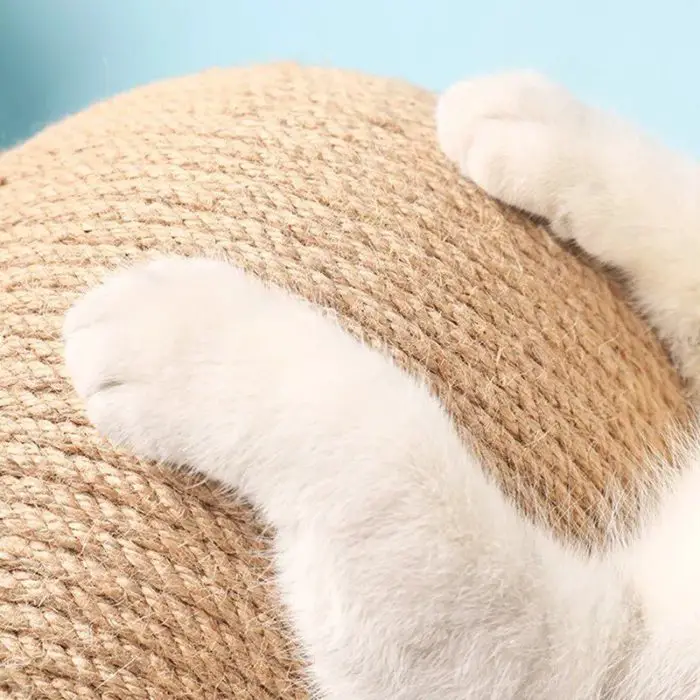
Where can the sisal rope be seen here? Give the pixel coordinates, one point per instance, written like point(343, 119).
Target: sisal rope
point(121, 580)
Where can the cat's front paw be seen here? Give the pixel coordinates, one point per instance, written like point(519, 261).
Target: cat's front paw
point(515, 135)
point(519, 96)
point(146, 351)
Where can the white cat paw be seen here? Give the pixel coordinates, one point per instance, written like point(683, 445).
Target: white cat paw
point(514, 135)
point(518, 96)
point(144, 351)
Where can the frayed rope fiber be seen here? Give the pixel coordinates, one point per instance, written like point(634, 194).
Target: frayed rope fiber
point(121, 580)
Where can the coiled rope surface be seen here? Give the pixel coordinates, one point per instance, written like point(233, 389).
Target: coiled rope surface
point(121, 580)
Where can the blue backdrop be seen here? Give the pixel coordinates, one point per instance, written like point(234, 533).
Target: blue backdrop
point(639, 58)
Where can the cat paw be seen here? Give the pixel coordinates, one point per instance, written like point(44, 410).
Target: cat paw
point(195, 363)
point(146, 348)
point(514, 135)
point(517, 96)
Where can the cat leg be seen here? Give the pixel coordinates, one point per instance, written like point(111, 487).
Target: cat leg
point(663, 569)
point(406, 573)
point(623, 198)
point(632, 204)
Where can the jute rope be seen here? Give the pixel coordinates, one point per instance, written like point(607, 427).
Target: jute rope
point(121, 580)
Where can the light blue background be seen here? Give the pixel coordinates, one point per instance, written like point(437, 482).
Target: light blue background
point(640, 58)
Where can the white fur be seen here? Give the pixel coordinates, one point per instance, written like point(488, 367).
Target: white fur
point(406, 573)
point(622, 197)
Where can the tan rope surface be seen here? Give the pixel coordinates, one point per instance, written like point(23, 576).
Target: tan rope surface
point(120, 580)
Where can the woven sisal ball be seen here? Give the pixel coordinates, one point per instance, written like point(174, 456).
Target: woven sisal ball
point(121, 580)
